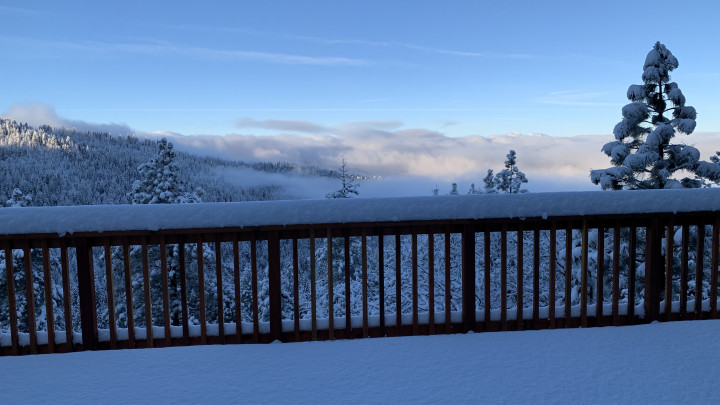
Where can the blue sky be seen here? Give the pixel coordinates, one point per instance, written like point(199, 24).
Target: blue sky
point(461, 68)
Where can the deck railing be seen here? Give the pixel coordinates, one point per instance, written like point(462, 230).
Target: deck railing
point(151, 276)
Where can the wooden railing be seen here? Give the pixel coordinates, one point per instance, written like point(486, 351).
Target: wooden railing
point(405, 266)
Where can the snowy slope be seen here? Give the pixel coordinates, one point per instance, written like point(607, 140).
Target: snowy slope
point(656, 363)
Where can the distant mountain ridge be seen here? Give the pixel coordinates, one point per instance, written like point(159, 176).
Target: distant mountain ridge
point(59, 166)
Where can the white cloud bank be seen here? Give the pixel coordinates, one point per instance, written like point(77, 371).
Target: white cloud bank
point(37, 114)
point(411, 160)
point(551, 163)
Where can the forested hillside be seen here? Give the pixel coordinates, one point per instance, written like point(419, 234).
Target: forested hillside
point(58, 166)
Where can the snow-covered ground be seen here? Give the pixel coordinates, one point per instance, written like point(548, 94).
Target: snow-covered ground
point(657, 363)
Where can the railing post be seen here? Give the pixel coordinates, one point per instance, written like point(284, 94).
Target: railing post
point(86, 291)
point(654, 270)
point(275, 288)
point(468, 278)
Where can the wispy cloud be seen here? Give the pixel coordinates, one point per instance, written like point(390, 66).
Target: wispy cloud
point(415, 47)
point(5, 10)
point(37, 114)
point(446, 124)
point(283, 125)
point(577, 98)
point(211, 28)
point(330, 41)
point(157, 47)
point(308, 127)
point(374, 100)
point(493, 55)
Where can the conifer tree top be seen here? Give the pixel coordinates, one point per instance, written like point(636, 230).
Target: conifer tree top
point(160, 183)
point(642, 153)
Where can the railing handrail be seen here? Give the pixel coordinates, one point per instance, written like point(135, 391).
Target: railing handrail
point(121, 218)
point(482, 224)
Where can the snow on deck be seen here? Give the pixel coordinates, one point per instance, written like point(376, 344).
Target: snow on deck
point(102, 218)
point(673, 362)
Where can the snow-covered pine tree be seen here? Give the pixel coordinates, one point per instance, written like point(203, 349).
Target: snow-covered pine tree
point(510, 179)
point(18, 199)
point(348, 185)
point(489, 182)
point(473, 190)
point(641, 153)
point(160, 183)
point(453, 189)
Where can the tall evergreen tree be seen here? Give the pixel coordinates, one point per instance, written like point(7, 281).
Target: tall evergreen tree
point(510, 179)
point(641, 153)
point(160, 183)
point(489, 181)
point(348, 185)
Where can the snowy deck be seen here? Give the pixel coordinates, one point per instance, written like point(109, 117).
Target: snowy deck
point(660, 363)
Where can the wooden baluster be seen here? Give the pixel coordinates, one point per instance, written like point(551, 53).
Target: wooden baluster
point(30, 297)
point(684, 270)
point(536, 277)
point(568, 275)
point(468, 278)
point(166, 292)
point(47, 281)
point(146, 290)
point(183, 292)
point(431, 284)
point(128, 293)
point(654, 269)
point(616, 275)
point(12, 307)
point(600, 275)
point(583, 276)
point(201, 289)
point(631, 274)
point(219, 285)
point(112, 326)
point(67, 295)
point(503, 277)
point(348, 314)
point(448, 286)
point(714, 269)
point(486, 287)
point(398, 285)
point(363, 252)
point(670, 233)
point(414, 281)
point(551, 278)
point(86, 292)
point(275, 287)
point(699, 256)
point(238, 290)
point(331, 287)
point(313, 292)
point(519, 283)
point(296, 290)
point(254, 276)
point(381, 276)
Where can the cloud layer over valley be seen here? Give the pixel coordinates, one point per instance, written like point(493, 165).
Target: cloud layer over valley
point(410, 160)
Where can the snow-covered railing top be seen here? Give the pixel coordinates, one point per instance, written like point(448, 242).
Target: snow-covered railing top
point(107, 218)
